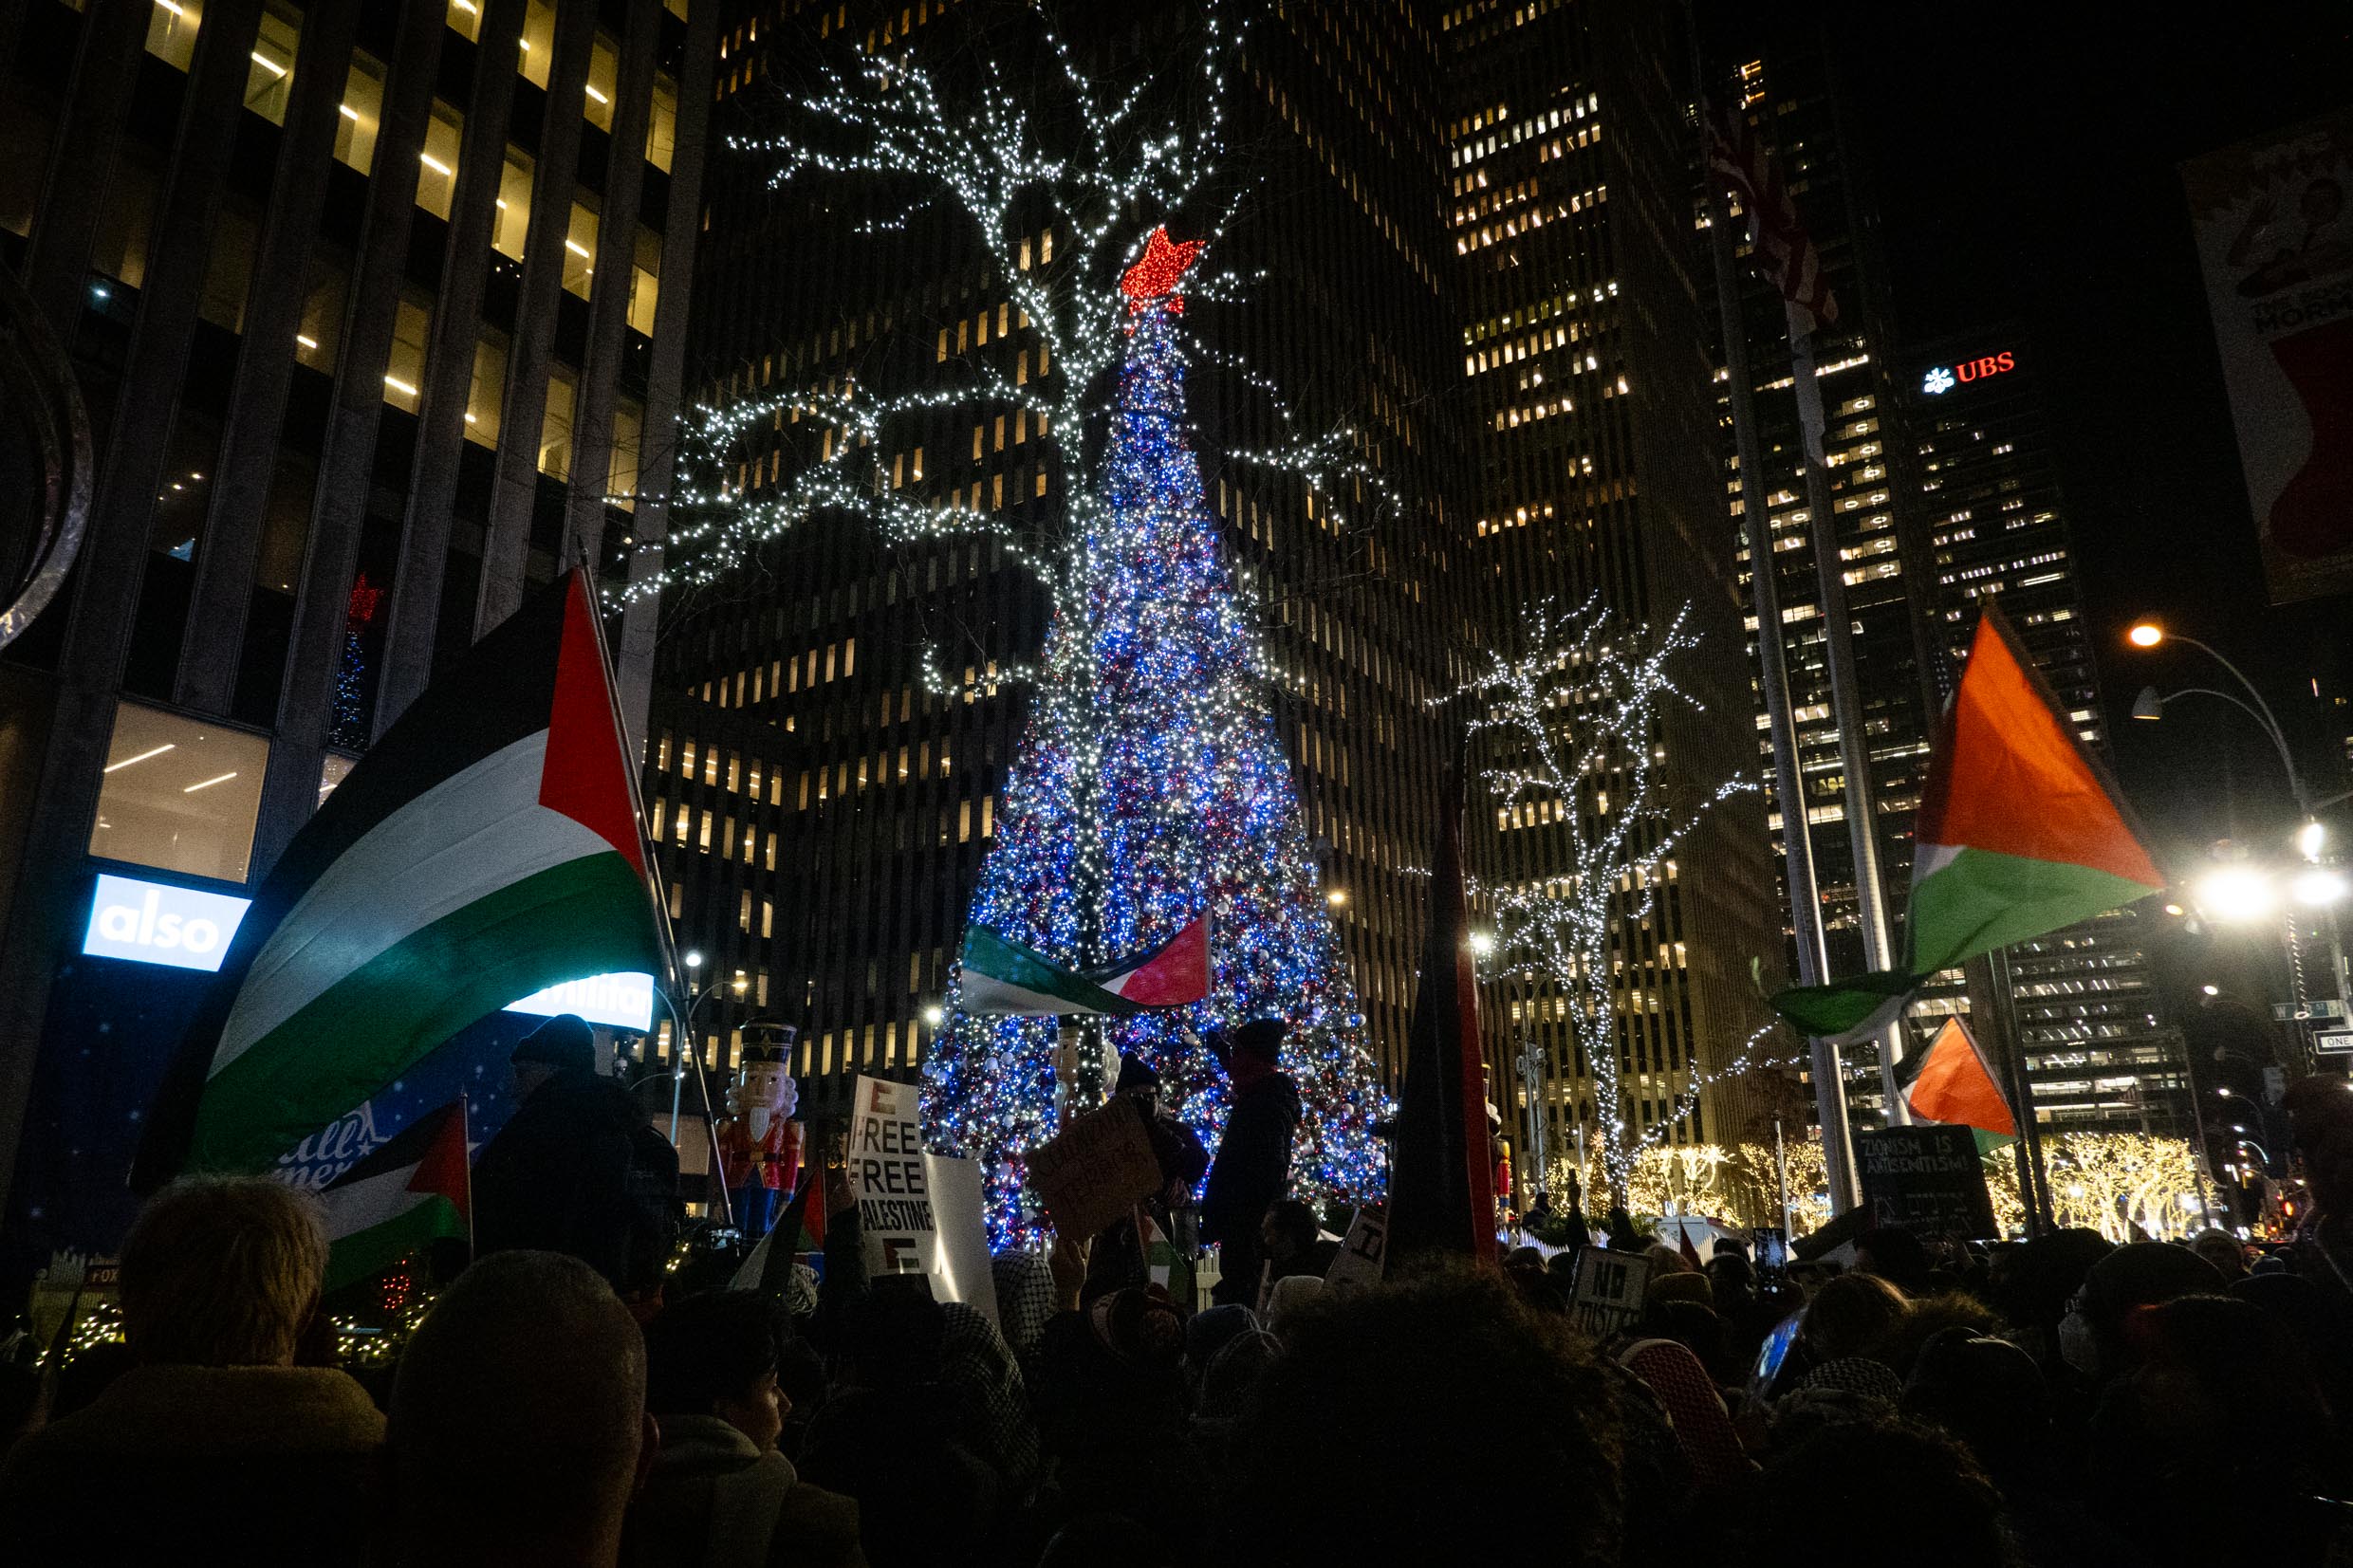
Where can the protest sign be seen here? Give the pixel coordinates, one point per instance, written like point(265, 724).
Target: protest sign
point(889, 1180)
point(1927, 1178)
point(1609, 1289)
point(1358, 1268)
point(959, 1259)
point(1095, 1169)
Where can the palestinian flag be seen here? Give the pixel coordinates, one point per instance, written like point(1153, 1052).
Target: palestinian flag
point(800, 1229)
point(415, 1190)
point(484, 849)
point(1000, 976)
point(2020, 833)
point(1952, 1081)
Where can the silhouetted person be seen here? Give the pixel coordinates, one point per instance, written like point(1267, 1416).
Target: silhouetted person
point(1253, 1162)
point(214, 1445)
point(518, 1419)
point(577, 1168)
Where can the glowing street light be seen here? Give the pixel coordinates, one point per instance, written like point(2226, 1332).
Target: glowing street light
point(2236, 893)
point(1482, 944)
point(1337, 897)
point(2310, 839)
point(935, 1015)
point(2318, 885)
point(2147, 633)
point(2211, 990)
point(693, 960)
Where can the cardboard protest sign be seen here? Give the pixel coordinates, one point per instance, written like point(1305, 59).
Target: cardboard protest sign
point(1609, 1289)
point(889, 1180)
point(1095, 1169)
point(1927, 1178)
point(1358, 1268)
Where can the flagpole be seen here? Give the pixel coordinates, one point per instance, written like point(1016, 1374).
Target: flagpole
point(2000, 1031)
point(1862, 796)
point(1772, 660)
point(465, 1142)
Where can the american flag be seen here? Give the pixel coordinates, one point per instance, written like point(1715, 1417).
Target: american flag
point(1784, 252)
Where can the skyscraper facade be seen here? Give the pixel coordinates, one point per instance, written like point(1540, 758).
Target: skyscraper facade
point(371, 308)
point(1908, 447)
point(1591, 403)
point(2098, 1050)
point(834, 724)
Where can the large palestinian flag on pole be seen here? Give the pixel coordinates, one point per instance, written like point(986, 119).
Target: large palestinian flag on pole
point(2020, 833)
point(486, 848)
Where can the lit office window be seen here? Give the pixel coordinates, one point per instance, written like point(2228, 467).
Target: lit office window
point(404, 367)
point(363, 112)
point(604, 82)
point(555, 429)
point(487, 393)
point(179, 794)
point(661, 124)
point(628, 434)
point(466, 19)
point(539, 42)
point(645, 281)
point(268, 79)
point(580, 251)
point(172, 31)
point(510, 223)
point(321, 332)
point(436, 177)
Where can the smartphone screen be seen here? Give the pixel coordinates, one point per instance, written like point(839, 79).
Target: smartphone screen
point(1776, 1349)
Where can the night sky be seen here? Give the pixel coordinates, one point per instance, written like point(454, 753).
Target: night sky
point(2026, 161)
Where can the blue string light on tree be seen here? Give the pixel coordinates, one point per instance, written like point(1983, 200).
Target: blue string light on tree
point(349, 730)
point(1167, 793)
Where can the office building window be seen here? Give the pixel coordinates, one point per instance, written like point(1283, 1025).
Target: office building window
point(511, 223)
point(661, 124)
point(488, 390)
point(179, 794)
point(579, 250)
point(404, 367)
point(270, 77)
point(466, 17)
point(172, 30)
point(603, 81)
point(436, 179)
point(645, 281)
point(555, 427)
point(539, 42)
point(362, 113)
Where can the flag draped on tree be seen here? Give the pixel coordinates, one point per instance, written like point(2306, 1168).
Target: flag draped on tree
point(486, 848)
point(1442, 1194)
point(1151, 789)
point(2019, 833)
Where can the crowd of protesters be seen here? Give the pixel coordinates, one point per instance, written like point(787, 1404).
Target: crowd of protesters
point(2056, 1402)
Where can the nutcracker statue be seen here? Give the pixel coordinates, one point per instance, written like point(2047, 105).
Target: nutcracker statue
point(758, 1141)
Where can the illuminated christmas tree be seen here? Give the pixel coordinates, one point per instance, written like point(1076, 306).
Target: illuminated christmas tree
point(1160, 793)
point(349, 730)
point(1150, 785)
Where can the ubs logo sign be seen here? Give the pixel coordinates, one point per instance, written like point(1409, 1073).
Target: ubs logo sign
point(1943, 379)
point(157, 923)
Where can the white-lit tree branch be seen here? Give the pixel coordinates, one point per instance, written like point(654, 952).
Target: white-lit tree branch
point(1571, 729)
point(1007, 149)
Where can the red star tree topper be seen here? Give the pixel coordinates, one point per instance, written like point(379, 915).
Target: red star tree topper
point(1156, 272)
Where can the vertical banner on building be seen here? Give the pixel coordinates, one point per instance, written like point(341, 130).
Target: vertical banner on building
point(2273, 218)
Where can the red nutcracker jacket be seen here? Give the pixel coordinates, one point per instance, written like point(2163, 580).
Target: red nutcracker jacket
point(775, 1160)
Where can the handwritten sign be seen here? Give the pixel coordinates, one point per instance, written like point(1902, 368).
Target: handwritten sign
point(1095, 1169)
point(1608, 1295)
point(1927, 1178)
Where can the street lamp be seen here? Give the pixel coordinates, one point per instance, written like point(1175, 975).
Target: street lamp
point(934, 1016)
point(1482, 944)
point(2310, 837)
point(2236, 893)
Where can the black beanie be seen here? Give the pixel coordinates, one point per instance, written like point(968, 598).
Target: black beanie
point(564, 1042)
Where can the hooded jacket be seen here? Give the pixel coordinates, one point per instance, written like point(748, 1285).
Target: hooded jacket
point(713, 1498)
